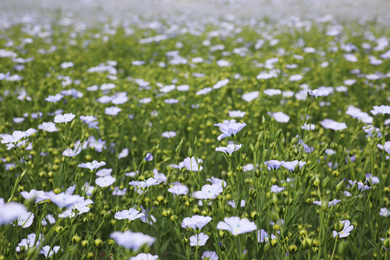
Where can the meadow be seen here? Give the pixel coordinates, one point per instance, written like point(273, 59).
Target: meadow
point(217, 138)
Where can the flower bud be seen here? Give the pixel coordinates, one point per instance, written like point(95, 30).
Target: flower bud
point(386, 243)
point(340, 186)
point(84, 243)
point(76, 239)
point(59, 229)
point(98, 242)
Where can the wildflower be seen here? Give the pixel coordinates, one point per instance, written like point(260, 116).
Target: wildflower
point(191, 164)
point(168, 134)
point(229, 128)
point(64, 200)
point(124, 153)
point(132, 240)
point(214, 180)
point(66, 65)
point(48, 126)
point(372, 179)
point(330, 204)
point(210, 255)
point(38, 195)
point(277, 189)
point(350, 57)
point(280, 117)
point(26, 219)
point(195, 222)
point(160, 177)
point(130, 214)
point(112, 111)
point(221, 83)
point(386, 147)
point(48, 252)
point(229, 149)
point(331, 124)
point(104, 172)
point(14, 138)
point(11, 211)
point(105, 181)
point(248, 97)
point(203, 91)
point(77, 209)
point(148, 157)
point(178, 189)
point(318, 93)
point(208, 191)
point(54, 99)
point(291, 165)
point(48, 219)
point(272, 92)
point(118, 192)
point(198, 239)
point(237, 226)
point(144, 256)
point(29, 242)
point(92, 165)
point(384, 212)
point(273, 164)
point(262, 236)
point(296, 77)
point(346, 229)
point(236, 113)
point(380, 110)
point(65, 118)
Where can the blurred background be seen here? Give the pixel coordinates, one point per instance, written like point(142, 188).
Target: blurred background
point(272, 9)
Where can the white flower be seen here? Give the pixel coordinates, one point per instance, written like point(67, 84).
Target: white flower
point(178, 189)
point(132, 240)
point(248, 97)
point(198, 239)
point(229, 149)
point(66, 65)
point(64, 200)
point(65, 118)
point(11, 211)
point(195, 222)
point(168, 134)
point(210, 255)
point(280, 117)
point(48, 126)
point(92, 165)
point(221, 83)
point(54, 99)
point(25, 220)
point(208, 191)
point(29, 242)
point(112, 111)
point(130, 214)
point(380, 110)
point(331, 124)
point(277, 189)
point(48, 252)
point(318, 93)
point(123, 154)
point(144, 256)
point(38, 195)
point(77, 209)
point(105, 181)
point(346, 229)
point(236, 225)
point(192, 164)
point(229, 128)
point(384, 212)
